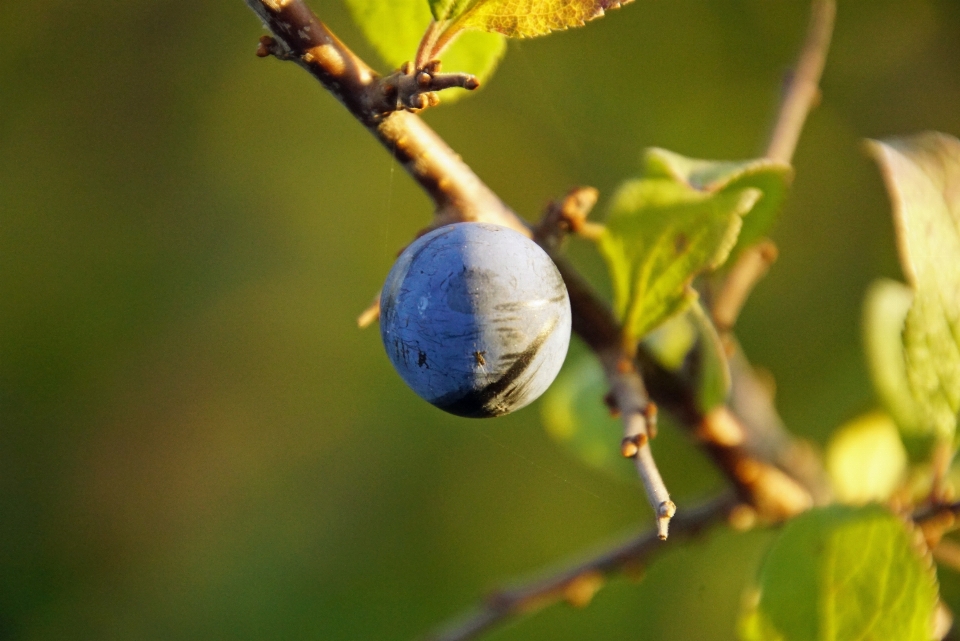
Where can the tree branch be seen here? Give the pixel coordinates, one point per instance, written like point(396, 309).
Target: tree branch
point(459, 195)
point(803, 88)
point(577, 584)
point(747, 440)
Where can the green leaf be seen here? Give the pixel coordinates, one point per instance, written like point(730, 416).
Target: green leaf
point(672, 341)
point(843, 574)
point(394, 28)
point(713, 379)
point(866, 460)
point(772, 178)
point(660, 234)
point(884, 315)
point(575, 416)
point(922, 174)
point(520, 18)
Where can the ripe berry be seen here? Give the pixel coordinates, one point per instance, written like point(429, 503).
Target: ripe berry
point(476, 319)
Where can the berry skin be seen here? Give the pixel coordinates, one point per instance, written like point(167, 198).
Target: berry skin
point(476, 319)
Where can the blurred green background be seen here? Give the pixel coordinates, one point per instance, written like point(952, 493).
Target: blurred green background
point(196, 442)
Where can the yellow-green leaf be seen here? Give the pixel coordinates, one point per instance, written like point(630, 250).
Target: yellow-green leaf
point(866, 460)
point(524, 18)
point(922, 174)
point(843, 574)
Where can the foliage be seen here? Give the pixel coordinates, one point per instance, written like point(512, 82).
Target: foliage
point(842, 573)
point(837, 573)
point(923, 177)
point(681, 219)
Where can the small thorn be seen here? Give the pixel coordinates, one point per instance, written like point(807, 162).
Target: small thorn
point(471, 83)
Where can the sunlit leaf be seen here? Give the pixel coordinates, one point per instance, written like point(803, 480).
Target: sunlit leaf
point(395, 27)
point(713, 384)
point(663, 231)
point(843, 574)
point(866, 460)
point(520, 18)
point(922, 174)
point(884, 315)
point(771, 177)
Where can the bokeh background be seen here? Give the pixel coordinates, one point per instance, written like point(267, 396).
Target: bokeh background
point(196, 442)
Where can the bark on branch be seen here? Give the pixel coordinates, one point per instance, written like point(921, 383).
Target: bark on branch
point(578, 583)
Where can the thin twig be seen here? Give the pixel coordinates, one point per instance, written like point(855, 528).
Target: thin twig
point(751, 266)
point(803, 89)
point(577, 583)
point(629, 398)
point(568, 215)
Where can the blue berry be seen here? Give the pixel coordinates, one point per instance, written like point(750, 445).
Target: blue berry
point(476, 319)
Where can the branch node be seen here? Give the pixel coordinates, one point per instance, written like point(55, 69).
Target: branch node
point(630, 445)
point(566, 216)
point(414, 90)
point(269, 46)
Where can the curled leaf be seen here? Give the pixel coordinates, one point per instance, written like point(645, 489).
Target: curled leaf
point(922, 174)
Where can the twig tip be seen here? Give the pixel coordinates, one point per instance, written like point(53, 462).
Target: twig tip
point(665, 512)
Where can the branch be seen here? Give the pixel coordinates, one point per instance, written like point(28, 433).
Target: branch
point(579, 583)
point(751, 266)
point(459, 195)
point(803, 89)
point(629, 398)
